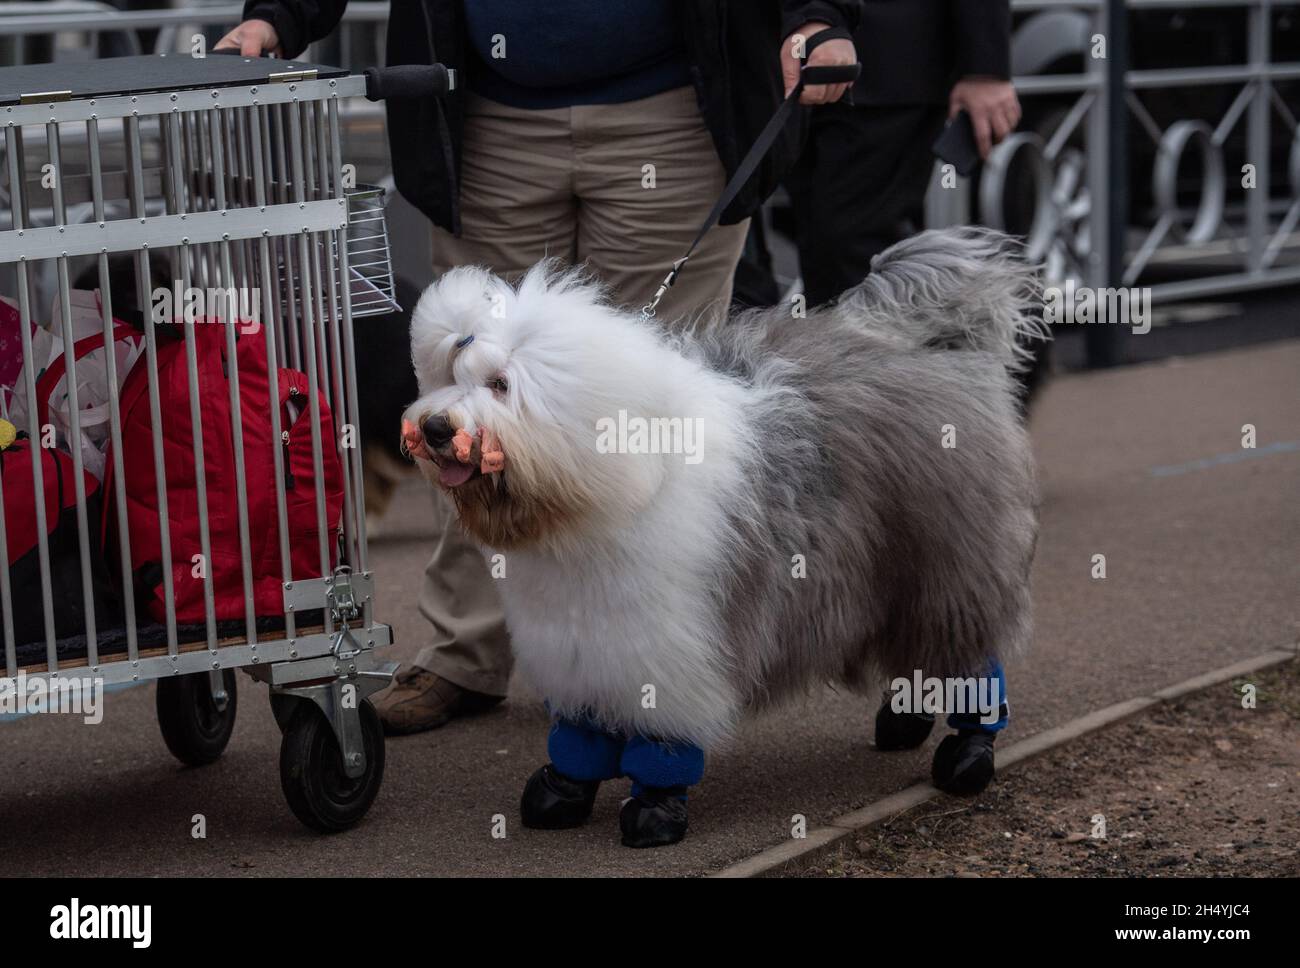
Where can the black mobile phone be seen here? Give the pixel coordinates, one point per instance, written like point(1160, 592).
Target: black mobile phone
point(956, 144)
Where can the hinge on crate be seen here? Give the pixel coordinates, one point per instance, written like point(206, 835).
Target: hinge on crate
point(286, 77)
point(44, 97)
point(344, 593)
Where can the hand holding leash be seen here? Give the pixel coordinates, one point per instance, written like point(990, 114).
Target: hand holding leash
point(809, 74)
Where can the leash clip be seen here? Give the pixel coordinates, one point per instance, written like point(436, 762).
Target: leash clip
point(648, 310)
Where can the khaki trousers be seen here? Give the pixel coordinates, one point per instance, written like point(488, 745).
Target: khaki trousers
point(620, 187)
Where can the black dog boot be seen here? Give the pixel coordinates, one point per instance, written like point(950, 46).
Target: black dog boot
point(653, 817)
point(552, 801)
point(963, 763)
point(901, 731)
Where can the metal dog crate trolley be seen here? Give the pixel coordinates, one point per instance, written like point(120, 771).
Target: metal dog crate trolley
point(225, 174)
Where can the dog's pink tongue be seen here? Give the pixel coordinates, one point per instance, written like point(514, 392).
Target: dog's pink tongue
point(454, 475)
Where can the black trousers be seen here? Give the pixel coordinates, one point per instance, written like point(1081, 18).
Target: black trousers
point(859, 187)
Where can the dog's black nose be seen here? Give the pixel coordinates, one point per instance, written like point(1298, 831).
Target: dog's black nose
point(438, 431)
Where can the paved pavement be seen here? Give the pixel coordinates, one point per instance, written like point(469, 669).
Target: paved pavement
point(1142, 464)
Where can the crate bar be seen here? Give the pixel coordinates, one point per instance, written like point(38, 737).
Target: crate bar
point(165, 231)
point(74, 406)
point(6, 592)
point(313, 646)
point(135, 163)
point(128, 105)
point(34, 431)
point(330, 163)
point(304, 242)
point(192, 385)
point(231, 321)
point(315, 186)
point(349, 362)
point(264, 175)
point(283, 189)
point(260, 169)
point(114, 404)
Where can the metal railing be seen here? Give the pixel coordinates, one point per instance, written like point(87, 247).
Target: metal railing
point(1082, 226)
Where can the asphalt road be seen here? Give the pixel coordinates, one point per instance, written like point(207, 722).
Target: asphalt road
point(1142, 464)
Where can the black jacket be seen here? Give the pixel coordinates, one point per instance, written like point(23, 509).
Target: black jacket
point(912, 51)
point(732, 46)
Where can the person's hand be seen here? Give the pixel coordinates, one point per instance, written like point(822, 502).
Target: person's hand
point(832, 52)
point(252, 38)
point(992, 105)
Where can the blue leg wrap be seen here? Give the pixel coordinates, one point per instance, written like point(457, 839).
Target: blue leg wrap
point(973, 720)
point(583, 752)
point(656, 764)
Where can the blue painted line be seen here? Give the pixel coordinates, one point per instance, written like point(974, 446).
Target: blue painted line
point(1236, 457)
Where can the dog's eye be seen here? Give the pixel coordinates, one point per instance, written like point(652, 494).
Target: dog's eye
point(498, 384)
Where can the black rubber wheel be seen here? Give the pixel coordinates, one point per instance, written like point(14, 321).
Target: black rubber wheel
point(193, 727)
point(320, 794)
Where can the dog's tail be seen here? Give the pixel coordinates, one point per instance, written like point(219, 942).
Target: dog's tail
point(965, 287)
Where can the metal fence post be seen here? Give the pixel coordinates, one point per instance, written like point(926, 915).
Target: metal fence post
point(1108, 176)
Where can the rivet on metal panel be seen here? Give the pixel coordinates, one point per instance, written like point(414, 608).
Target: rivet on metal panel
point(173, 97)
point(288, 585)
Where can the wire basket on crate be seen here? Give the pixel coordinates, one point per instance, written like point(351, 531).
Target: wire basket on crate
point(188, 221)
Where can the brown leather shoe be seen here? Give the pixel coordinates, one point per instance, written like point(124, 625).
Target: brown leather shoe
point(419, 699)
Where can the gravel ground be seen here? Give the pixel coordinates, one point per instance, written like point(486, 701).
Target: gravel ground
point(1198, 787)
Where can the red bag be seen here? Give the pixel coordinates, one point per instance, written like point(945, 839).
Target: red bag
point(60, 526)
point(137, 460)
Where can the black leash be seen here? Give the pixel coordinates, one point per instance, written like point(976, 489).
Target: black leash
point(834, 74)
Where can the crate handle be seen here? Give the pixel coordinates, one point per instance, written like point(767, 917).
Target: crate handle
point(409, 80)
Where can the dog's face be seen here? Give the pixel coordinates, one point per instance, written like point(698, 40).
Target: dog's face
point(525, 374)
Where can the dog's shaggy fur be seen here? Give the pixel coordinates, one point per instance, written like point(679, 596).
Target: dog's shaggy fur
point(823, 437)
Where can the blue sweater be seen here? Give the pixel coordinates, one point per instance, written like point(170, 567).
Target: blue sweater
point(559, 53)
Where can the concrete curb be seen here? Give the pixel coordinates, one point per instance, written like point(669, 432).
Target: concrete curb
point(821, 840)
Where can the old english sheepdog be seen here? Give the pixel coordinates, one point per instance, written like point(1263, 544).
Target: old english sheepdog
point(697, 524)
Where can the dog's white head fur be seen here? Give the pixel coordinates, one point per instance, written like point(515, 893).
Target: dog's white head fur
point(548, 360)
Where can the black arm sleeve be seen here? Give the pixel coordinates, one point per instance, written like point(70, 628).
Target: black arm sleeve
point(298, 22)
point(836, 13)
point(982, 37)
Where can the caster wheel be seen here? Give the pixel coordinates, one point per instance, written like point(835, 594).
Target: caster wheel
point(195, 726)
point(319, 792)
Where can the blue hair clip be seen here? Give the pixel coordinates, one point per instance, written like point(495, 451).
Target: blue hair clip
point(462, 343)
